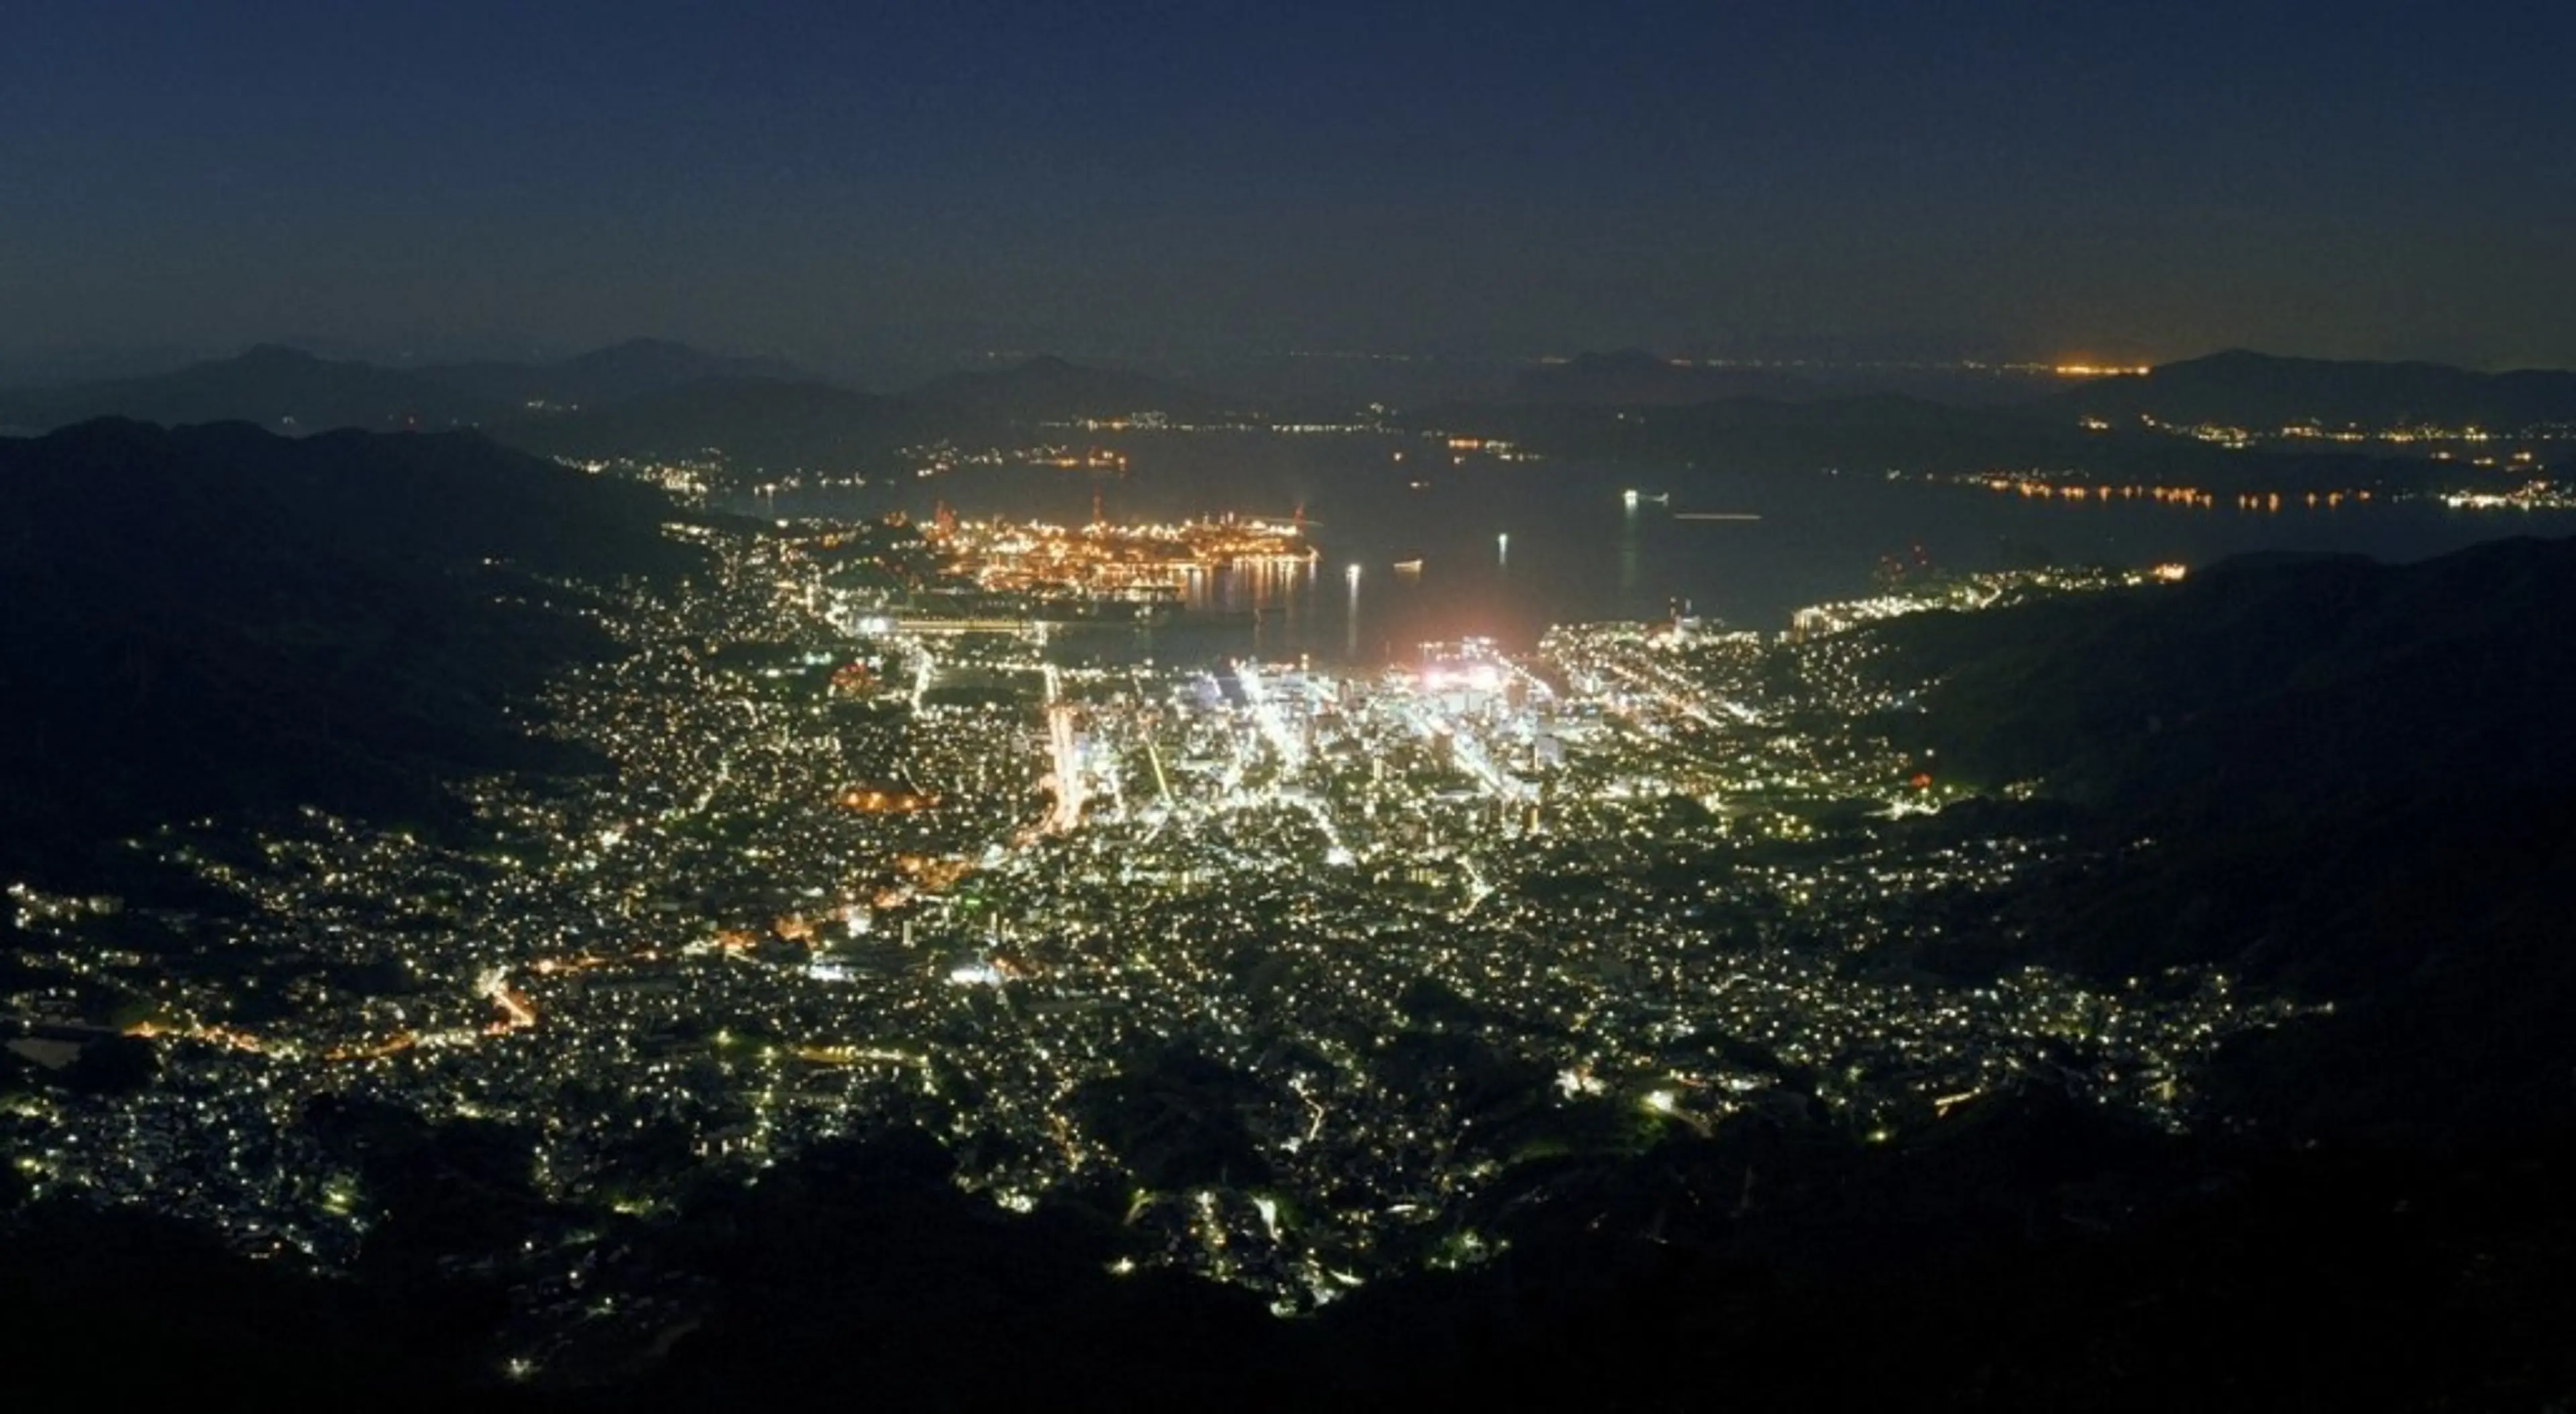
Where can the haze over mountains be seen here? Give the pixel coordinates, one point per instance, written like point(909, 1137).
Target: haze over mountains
point(644, 398)
point(1047, 388)
point(2259, 390)
point(275, 385)
point(283, 387)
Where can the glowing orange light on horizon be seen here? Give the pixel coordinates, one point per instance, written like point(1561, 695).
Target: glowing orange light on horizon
point(2101, 370)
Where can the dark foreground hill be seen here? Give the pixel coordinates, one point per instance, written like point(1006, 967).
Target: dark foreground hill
point(2280, 681)
point(2018, 1261)
point(215, 618)
point(2351, 778)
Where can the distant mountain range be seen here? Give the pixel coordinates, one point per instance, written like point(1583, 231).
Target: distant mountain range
point(766, 423)
point(2236, 388)
point(649, 398)
point(2263, 392)
point(1633, 378)
point(1888, 431)
point(1049, 389)
point(272, 386)
point(644, 398)
point(289, 389)
point(758, 425)
point(1893, 433)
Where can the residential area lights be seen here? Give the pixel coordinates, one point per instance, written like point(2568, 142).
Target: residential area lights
point(969, 883)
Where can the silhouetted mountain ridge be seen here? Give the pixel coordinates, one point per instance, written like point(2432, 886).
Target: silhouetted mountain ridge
point(2265, 392)
point(270, 385)
point(1894, 432)
point(290, 389)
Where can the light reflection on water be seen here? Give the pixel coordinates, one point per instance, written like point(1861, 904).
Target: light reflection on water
point(1577, 550)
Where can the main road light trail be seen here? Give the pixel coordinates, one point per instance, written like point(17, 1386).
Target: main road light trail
point(1265, 714)
point(1067, 770)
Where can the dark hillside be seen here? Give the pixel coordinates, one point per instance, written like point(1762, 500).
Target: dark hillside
point(2347, 778)
point(213, 618)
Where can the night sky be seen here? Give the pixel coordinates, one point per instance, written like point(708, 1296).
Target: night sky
point(1893, 180)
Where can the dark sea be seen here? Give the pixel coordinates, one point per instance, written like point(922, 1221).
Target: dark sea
point(1503, 550)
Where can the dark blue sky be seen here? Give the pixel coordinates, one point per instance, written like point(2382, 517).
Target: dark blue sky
point(2056, 179)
